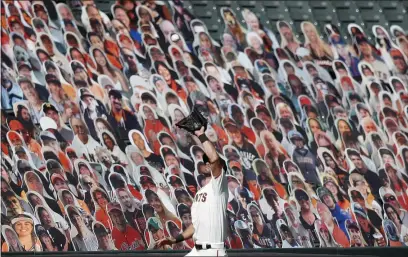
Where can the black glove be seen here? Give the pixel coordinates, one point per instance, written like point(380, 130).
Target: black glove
point(193, 122)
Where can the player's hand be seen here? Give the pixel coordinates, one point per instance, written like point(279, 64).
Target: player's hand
point(200, 131)
point(166, 241)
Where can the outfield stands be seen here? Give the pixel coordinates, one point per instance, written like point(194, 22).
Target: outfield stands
point(307, 101)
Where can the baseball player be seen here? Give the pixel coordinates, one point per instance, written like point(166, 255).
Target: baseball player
point(209, 220)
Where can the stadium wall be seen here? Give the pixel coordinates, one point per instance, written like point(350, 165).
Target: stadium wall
point(282, 252)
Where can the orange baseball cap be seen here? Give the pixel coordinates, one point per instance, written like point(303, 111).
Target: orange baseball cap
point(15, 125)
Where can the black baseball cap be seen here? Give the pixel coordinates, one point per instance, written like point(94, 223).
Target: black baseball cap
point(180, 192)
point(47, 107)
point(167, 150)
point(356, 195)
point(115, 93)
point(339, 65)
point(24, 64)
point(351, 225)
point(301, 195)
point(52, 164)
point(85, 92)
point(361, 40)
point(183, 209)
point(174, 179)
point(270, 192)
point(51, 78)
point(149, 193)
point(76, 65)
point(146, 179)
point(322, 191)
point(100, 230)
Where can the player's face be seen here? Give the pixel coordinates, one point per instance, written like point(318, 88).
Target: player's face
point(206, 169)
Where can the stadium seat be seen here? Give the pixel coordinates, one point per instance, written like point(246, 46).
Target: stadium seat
point(206, 14)
point(394, 12)
point(347, 12)
point(299, 11)
point(276, 11)
point(371, 14)
point(323, 13)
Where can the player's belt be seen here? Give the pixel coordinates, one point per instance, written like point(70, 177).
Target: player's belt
point(205, 246)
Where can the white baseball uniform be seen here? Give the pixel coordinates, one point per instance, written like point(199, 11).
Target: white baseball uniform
point(209, 217)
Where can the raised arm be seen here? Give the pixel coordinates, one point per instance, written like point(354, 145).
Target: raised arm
point(196, 123)
point(209, 150)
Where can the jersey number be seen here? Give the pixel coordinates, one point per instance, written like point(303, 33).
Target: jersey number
point(201, 197)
